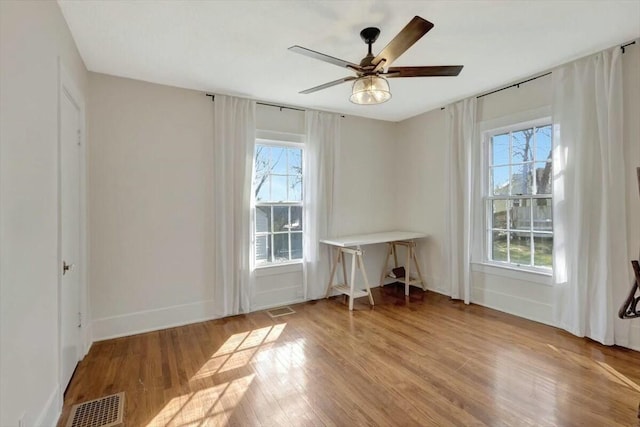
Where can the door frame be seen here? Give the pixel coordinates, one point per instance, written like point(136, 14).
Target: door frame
point(68, 87)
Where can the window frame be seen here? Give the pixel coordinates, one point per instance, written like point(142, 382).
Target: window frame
point(272, 142)
point(488, 197)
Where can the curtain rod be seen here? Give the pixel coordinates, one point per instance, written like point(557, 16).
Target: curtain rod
point(281, 107)
point(514, 85)
point(534, 78)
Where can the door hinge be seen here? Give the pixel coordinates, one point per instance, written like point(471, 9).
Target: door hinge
point(79, 320)
point(79, 137)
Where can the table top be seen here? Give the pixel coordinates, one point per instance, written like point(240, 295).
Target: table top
point(373, 238)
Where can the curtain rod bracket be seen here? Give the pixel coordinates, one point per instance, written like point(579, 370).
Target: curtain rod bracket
point(625, 45)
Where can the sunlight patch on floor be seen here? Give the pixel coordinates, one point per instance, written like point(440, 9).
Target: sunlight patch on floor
point(238, 350)
point(603, 368)
point(210, 406)
point(618, 377)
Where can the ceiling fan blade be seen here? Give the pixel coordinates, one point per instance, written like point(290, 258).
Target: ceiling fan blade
point(326, 58)
point(435, 71)
point(411, 33)
point(326, 85)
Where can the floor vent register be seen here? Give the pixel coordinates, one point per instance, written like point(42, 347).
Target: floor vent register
point(278, 312)
point(103, 412)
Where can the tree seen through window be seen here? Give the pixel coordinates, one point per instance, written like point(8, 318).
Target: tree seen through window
point(277, 188)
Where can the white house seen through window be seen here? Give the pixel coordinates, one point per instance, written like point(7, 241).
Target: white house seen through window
point(518, 202)
point(277, 190)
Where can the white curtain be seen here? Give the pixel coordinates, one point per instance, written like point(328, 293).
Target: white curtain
point(591, 267)
point(234, 142)
point(464, 194)
point(323, 137)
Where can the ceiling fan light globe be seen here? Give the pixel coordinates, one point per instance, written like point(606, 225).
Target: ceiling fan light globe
point(370, 90)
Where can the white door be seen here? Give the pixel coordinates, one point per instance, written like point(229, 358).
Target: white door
point(70, 120)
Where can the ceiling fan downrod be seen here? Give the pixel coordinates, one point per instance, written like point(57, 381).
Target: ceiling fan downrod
point(369, 35)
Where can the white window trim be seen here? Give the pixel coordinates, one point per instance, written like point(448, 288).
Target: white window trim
point(279, 139)
point(516, 273)
point(536, 117)
point(279, 268)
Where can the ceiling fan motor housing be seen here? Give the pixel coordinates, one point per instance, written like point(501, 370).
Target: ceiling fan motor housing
point(370, 34)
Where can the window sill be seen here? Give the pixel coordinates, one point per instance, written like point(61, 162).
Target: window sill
point(535, 276)
point(281, 268)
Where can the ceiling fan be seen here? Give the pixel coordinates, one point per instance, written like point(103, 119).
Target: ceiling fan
point(370, 84)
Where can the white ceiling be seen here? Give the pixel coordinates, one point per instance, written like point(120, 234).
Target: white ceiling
point(240, 47)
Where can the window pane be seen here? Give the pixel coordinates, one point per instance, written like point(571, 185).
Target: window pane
point(522, 146)
point(263, 219)
point(499, 214)
point(295, 188)
point(295, 161)
point(281, 247)
point(520, 214)
point(296, 245)
point(278, 160)
point(262, 190)
point(520, 248)
point(261, 172)
point(296, 218)
point(521, 179)
point(542, 215)
point(278, 188)
point(543, 178)
point(500, 149)
point(262, 157)
point(499, 246)
point(262, 249)
point(542, 248)
point(500, 180)
point(280, 218)
point(543, 143)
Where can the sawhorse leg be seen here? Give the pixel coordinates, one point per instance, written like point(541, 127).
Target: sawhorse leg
point(364, 276)
point(348, 287)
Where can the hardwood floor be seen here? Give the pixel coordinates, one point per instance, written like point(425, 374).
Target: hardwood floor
point(425, 361)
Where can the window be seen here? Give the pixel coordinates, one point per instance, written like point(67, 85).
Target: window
point(518, 201)
point(277, 189)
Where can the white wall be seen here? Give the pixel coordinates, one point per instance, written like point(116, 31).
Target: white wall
point(365, 199)
point(419, 155)
point(421, 142)
point(150, 205)
point(32, 37)
point(151, 210)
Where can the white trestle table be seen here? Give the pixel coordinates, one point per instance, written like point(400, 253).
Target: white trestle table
point(352, 245)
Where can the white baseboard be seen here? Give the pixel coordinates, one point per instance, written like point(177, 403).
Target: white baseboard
point(52, 410)
point(152, 320)
point(434, 284)
point(87, 339)
point(439, 291)
point(517, 306)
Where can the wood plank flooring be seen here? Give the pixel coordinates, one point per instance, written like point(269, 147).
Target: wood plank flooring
point(424, 361)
